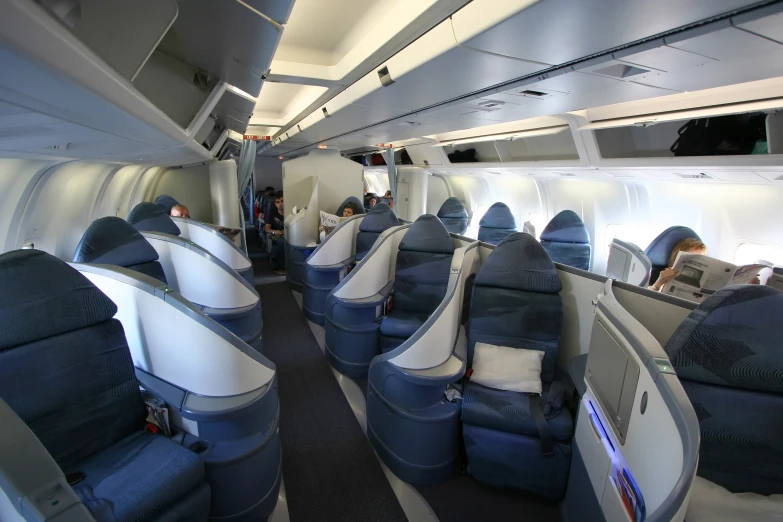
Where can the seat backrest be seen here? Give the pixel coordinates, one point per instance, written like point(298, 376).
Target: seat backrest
point(378, 219)
point(661, 248)
point(567, 241)
point(167, 202)
point(356, 201)
point(423, 266)
point(727, 355)
point(497, 223)
point(149, 217)
point(454, 216)
point(113, 241)
point(65, 366)
point(516, 301)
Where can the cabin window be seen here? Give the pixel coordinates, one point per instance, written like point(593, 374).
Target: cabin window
point(475, 220)
point(754, 251)
point(538, 220)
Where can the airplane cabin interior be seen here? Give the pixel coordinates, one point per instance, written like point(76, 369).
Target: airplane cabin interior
point(420, 260)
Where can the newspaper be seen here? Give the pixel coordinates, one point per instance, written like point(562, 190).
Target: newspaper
point(230, 233)
point(700, 276)
point(330, 221)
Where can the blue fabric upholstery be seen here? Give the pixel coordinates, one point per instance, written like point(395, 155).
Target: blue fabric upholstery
point(727, 355)
point(498, 222)
point(380, 218)
point(42, 296)
point(114, 241)
point(149, 217)
point(661, 248)
point(402, 324)
point(421, 275)
point(567, 241)
point(356, 201)
point(66, 370)
point(167, 202)
point(142, 473)
point(510, 412)
point(454, 216)
point(516, 303)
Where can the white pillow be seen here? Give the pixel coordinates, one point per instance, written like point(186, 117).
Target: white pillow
point(504, 368)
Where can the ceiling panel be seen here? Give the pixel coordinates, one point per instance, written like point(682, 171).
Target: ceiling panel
point(769, 26)
point(727, 44)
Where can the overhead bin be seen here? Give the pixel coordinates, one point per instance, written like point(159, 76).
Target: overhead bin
point(234, 110)
point(277, 10)
point(227, 39)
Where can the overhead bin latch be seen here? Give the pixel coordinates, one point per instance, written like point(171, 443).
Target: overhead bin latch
point(385, 76)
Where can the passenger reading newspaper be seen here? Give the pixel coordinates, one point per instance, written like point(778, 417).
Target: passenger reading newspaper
point(699, 276)
point(330, 221)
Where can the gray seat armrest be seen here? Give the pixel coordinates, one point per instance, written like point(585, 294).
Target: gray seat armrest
point(33, 485)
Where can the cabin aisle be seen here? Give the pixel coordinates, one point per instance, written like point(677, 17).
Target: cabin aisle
point(329, 469)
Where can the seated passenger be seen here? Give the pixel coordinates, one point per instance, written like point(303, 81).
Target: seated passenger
point(689, 245)
point(388, 199)
point(275, 227)
point(349, 210)
point(180, 211)
point(372, 201)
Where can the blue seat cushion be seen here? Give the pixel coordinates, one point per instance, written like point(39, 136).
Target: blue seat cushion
point(494, 236)
point(576, 255)
point(153, 269)
point(400, 323)
point(149, 217)
point(143, 475)
point(364, 243)
point(509, 412)
point(741, 447)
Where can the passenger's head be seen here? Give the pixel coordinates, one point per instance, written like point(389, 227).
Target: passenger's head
point(279, 201)
point(688, 245)
point(349, 209)
point(373, 201)
point(269, 191)
point(180, 211)
point(388, 194)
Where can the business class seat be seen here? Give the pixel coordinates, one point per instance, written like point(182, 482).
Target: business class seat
point(150, 217)
point(512, 439)
point(454, 216)
point(421, 276)
point(496, 224)
point(727, 356)
point(379, 219)
point(661, 248)
point(351, 199)
point(167, 202)
point(113, 241)
point(66, 370)
point(567, 241)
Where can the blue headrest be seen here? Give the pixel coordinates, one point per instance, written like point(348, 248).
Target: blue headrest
point(427, 234)
point(149, 217)
point(498, 216)
point(566, 227)
point(519, 262)
point(379, 218)
point(732, 339)
point(113, 241)
point(356, 201)
point(167, 202)
point(42, 296)
point(453, 208)
point(661, 247)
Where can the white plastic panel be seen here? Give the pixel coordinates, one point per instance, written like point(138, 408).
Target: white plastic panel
point(199, 279)
point(192, 187)
point(578, 294)
point(728, 44)
point(145, 187)
point(338, 178)
point(769, 27)
point(435, 345)
point(17, 179)
point(340, 246)
point(59, 210)
point(582, 28)
point(224, 191)
point(214, 243)
point(115, 196)
point(376, 270)
point(301, 228)
point(172, 346)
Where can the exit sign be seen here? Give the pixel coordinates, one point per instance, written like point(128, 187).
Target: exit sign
point(254, 137)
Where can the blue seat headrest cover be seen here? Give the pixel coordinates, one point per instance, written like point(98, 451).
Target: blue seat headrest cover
point(453, 208)
point(661, 247)
point(566, 227)
point(114, 241)
point(42, 296)
point(380, 218)
point(427, 234)
point(149, 217)
point(519, 262)
point(498, 216)
point(167, 202)
point(356, 201)
point(732, 339)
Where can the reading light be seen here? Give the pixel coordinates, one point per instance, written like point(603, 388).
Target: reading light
point(545, 131)
point(322, 146)
point(280, 157)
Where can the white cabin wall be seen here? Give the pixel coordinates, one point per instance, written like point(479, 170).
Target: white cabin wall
point(190, 186)
point(437, 193)
point(17, 180)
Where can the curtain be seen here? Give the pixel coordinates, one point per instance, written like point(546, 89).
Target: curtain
point(247, 163)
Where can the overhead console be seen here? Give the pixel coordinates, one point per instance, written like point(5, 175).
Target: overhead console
point(163, 74)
